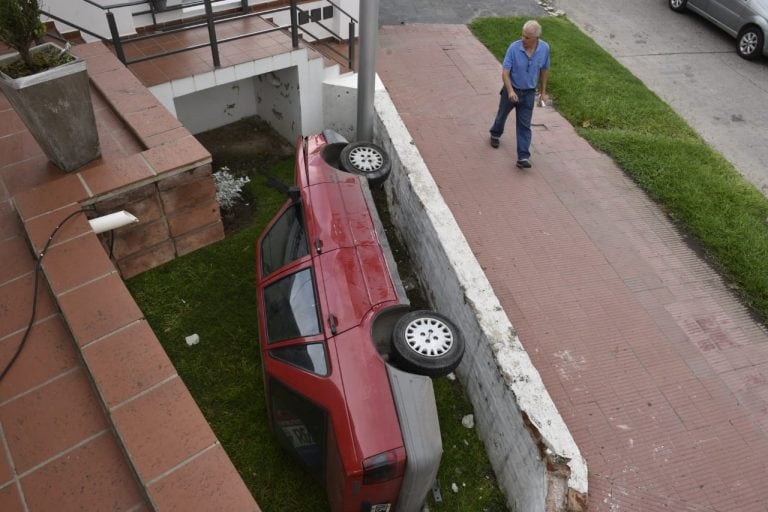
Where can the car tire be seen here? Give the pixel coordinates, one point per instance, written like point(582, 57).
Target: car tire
point(749, 44)
point(678, 5)
point(427, 343)
point(366, 159)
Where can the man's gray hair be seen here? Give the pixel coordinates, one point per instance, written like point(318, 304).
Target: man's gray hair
point(533, 26)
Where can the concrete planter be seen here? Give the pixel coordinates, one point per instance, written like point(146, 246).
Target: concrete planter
point(56, 107)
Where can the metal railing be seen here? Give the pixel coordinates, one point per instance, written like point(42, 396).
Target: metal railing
point(298, 17)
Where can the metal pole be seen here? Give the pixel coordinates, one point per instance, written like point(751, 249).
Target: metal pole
point(294, 25)
point(366, 76)
point(351, 60)
point(212, 33)
point(115, 36)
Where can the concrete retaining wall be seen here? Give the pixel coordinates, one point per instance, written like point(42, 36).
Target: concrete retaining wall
point(535, 458)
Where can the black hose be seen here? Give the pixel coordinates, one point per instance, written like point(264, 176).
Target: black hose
point(38, 269)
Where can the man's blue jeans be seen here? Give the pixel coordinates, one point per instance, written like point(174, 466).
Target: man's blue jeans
point(524, 111)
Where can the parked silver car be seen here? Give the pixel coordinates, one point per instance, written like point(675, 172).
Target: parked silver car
point(746, 20)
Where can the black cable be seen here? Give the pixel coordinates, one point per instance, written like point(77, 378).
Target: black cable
point(111, 243)
point(38, 269)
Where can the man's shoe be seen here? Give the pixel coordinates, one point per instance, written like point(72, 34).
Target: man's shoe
point(494, 142)
point(524, 163)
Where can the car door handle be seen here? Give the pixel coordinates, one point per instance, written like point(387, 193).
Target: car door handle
point(333, 322)
point(318, 245)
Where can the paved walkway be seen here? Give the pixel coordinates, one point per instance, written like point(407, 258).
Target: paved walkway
point(660, 374)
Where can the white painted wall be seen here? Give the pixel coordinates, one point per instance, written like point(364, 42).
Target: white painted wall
point(277, 97)
point(340, 105)
point(217, 106)
point(341, 21)
point(312, 75)
point(90, 17)
point(284, 18)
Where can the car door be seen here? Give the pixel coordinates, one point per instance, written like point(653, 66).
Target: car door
point(730, 14)
point(700, 6)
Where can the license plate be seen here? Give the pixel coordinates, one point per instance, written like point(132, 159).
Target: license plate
point(384, 507)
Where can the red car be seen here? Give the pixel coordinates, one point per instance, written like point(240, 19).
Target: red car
point(346, 364)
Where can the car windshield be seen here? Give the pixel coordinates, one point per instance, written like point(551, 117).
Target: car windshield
point(285, 242)
point(291, 307)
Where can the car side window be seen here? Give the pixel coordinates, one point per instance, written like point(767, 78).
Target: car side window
point(300, 426)
point(307, 356)
point(285, 242)
point(290, 307)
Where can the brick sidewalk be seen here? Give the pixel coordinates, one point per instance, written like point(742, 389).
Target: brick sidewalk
point(660, 374)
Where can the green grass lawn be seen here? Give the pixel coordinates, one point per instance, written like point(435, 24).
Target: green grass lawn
point(618, 115)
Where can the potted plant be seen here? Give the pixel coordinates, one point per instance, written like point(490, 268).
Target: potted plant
point(48, 87)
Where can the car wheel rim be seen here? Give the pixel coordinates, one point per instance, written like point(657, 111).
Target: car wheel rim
point(429, 337)
point(366, 159)
point(676, 3)
point(748, 43)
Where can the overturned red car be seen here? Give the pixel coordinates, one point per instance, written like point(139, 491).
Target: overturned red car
point(347, 364)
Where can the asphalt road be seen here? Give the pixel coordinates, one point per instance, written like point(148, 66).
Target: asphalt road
point(692, 66)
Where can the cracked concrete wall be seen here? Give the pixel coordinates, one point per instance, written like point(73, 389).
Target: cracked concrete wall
point(217, 106)
point(278, 102)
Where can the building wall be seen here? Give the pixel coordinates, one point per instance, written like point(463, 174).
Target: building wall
point(340, 105)
point(217, 106)
point(278, 101)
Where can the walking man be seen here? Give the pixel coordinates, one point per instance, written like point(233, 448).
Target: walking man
point(525, 65)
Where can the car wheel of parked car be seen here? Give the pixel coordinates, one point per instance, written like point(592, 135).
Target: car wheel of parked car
point(366, 159)
point(677, 5)
point(750, 42)
point(427, 343)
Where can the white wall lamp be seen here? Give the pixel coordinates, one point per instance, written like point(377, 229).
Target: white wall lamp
point(112, 221)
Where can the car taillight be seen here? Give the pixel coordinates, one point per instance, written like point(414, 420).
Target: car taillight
point(384, 466)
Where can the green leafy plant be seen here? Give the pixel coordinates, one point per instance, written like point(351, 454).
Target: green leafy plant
point(20, 27)
point(228, 187)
